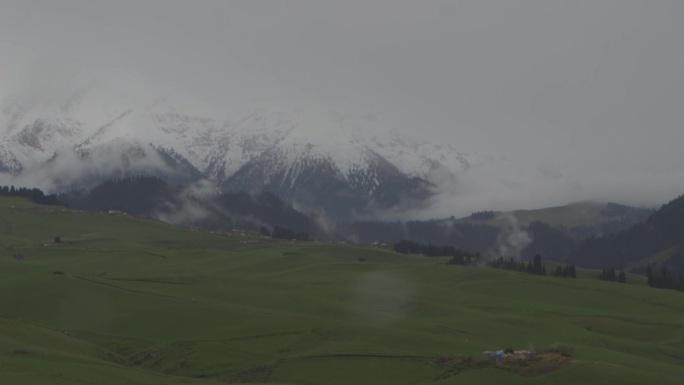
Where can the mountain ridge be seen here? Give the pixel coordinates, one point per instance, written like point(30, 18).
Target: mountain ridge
point(280, 149)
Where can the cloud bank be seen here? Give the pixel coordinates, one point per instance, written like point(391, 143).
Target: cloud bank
point(582, 98)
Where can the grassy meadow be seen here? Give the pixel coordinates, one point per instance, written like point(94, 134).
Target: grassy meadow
point(125, 300)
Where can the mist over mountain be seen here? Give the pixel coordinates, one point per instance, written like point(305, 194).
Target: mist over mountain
point(343, 161)
point(578, 116)
point(519, 235)
point(198, 205)
point(342, 164)
point(338, 162)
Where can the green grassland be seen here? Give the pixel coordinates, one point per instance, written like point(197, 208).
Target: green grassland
point(126, 300)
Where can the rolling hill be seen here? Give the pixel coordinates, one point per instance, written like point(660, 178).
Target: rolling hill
point(579, 219)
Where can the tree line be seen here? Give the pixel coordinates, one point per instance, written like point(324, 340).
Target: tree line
point(534, 266)
point(666, 279)
point(567, 271)
point(458, 256)
point(34, 194)
point(483, 215)
point(612, 275)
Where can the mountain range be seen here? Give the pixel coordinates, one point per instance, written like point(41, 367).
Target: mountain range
point(303, 166)
point(337, 163)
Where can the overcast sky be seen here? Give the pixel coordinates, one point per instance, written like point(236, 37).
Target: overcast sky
point(593, 90)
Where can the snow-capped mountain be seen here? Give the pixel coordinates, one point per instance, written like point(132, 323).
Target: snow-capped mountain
point(314, 156)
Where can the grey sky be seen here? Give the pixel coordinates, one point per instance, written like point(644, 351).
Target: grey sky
point(591, 89)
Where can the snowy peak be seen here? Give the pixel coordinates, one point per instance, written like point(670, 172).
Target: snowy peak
point(307, 153)
point(36, 143)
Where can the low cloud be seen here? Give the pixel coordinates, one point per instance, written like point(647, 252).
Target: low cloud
point(512, 239)
point(495, 185)
point(502, 185)
point(68, 169)
point(186, 208)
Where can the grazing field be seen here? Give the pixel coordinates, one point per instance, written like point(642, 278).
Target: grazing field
point(136, 301)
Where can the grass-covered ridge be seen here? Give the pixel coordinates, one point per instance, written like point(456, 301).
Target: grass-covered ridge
point(132, 300)
point(570, 215)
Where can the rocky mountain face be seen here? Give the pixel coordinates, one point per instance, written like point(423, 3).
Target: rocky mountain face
point(337, 163)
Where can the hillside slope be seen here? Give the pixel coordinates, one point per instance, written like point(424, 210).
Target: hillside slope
point(661, 231)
